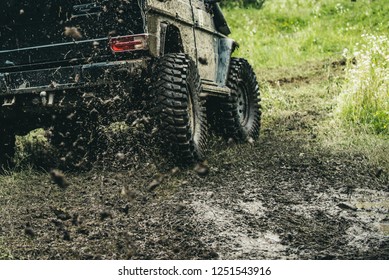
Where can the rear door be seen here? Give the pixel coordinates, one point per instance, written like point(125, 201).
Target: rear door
point(206, 39)
point(41, 32)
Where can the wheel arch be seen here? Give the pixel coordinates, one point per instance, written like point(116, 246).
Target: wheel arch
point(171, 40)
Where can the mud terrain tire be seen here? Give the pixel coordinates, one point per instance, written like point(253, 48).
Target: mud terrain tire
point(180, 111)
point(7, 148)
point(240, 115)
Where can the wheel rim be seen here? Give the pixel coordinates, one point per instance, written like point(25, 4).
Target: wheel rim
point(243, 104)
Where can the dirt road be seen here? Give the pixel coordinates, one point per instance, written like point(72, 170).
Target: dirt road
point(283, 197)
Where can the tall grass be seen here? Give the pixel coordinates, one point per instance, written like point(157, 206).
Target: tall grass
point(291, 32)
point(364, 101)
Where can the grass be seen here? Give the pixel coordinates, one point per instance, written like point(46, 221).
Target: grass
point(285, 38)
point(286, 33)
point(11, 184)
point(364, 101)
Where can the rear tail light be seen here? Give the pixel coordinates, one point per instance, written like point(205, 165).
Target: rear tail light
point(129, 43)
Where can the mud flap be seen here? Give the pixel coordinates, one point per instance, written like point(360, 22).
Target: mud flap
point(226, 47)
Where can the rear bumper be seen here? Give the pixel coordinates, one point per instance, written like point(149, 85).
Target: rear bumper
point(62, 79)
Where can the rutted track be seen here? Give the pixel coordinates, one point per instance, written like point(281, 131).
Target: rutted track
point(283, 197)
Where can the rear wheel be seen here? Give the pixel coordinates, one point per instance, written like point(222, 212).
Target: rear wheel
point(7, 148)
point(180, 111)
point(239, 114)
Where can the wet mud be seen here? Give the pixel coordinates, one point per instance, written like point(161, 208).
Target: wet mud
point(282, 197)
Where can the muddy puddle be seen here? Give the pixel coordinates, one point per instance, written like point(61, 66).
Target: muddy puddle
point(371, 204)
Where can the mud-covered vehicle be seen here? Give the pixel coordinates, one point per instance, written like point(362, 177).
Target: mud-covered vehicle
point(64, 62)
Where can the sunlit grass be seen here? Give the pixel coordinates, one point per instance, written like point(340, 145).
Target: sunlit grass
point(285, 33)
point(364, 101)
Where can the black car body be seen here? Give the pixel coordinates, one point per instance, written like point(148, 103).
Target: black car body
point(55, 55)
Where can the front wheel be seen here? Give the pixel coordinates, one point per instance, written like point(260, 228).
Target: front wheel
point(180, 111)
point(240, 113)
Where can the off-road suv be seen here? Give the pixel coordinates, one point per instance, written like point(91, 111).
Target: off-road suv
point(64, 62)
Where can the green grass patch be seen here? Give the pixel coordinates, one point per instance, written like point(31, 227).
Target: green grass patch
point(286, 33)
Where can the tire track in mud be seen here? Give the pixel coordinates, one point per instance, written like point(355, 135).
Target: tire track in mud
point(280, 198)
point(300, 209)
point(294, 203)
point(283, 197)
